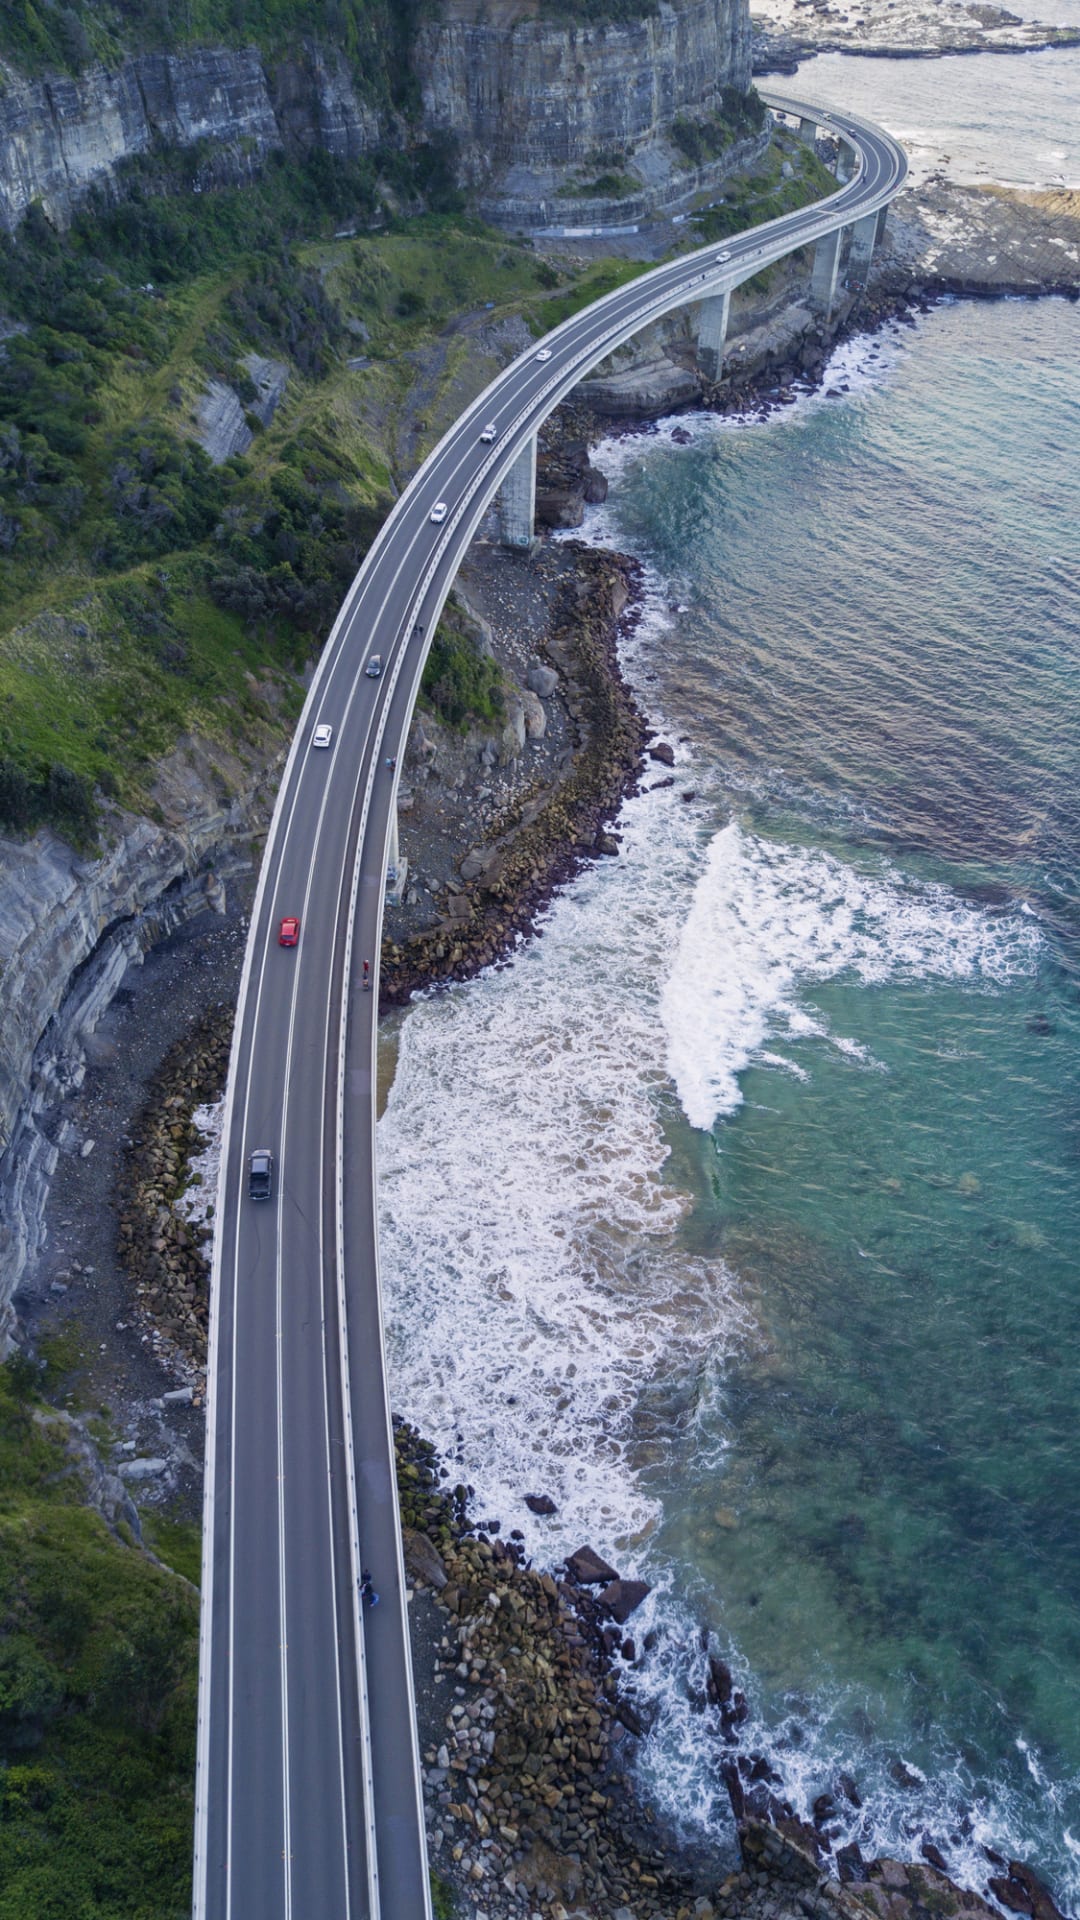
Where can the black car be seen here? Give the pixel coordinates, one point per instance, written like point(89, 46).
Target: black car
point(261, 1174)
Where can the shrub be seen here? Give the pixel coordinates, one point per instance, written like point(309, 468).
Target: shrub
point(460, 683)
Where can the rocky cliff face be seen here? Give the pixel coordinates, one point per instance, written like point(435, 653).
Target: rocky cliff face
point(62, 135)
point(531, 99)
point(535, 104)
point(69, 928)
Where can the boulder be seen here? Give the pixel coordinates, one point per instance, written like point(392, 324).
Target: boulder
point(540, 1503)
point(1023, 1892)
point(423, 1561)
point(542, 681)
point(605, 843)
point(662, 750)
point(621, 1598)
point(718, 1686)
point(535, 717)
point(586, 1567)
point(560, 507)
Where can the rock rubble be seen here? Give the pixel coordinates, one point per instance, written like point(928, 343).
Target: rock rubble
point(165, 1257)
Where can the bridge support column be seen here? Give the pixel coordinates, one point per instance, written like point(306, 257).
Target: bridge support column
point(845, 161)
point(517, 499)
point(808, 132)
point(397, 869)
point(882, 223)
point(863, 240)
point(712, 334)
point(823, 278)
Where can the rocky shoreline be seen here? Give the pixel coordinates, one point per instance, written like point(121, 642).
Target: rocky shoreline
point(529, 1721)
point(549, 829)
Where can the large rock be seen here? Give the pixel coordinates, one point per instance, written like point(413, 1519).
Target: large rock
point(560, 507)
point(586, 1567)
point(542, 680)
point(223, 430)
point(646, 391)
point(621, 1598)
point(423, 1561)
point(535, 717)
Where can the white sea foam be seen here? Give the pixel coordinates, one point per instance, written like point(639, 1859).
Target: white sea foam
point(766, 918)
point(539, 1292)
point(548, 1327)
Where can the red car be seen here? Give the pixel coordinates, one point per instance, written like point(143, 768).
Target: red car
point(289, 931)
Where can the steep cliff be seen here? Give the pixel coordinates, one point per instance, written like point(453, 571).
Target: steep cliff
point(541, 107)
point(536, 103)
point(62, 135)
point(69, 927)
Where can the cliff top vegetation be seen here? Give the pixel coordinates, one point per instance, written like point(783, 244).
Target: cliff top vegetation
point(146, 592)
point(38, 36)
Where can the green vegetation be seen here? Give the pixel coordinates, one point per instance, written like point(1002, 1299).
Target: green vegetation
point(601, 278)
point(740, 116)
point(144, 592)
point(98, 1654)
point(461, 683)
point(39, 35)
point(764, 194)
point(442, 1897)
point(176, 1540)
point(607, 186)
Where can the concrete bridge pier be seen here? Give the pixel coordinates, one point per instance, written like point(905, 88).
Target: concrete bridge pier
point(864, 236)
point(808, 132)
point(712, 328)
point(823, 277)
point(845, 162)
point(517, 499)
point(397, 869)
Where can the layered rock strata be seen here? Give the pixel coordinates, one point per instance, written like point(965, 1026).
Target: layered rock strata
point(70, 925)
point(62, 135)
point(530, 99)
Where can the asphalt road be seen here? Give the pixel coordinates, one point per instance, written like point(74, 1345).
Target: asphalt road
point(307, 1794)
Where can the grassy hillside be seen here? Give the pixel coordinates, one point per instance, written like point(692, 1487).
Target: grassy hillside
point(145, 591)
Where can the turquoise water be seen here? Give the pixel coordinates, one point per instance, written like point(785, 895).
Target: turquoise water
point(876, 663)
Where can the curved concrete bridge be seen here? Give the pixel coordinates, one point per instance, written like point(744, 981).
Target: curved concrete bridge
point(308, 1801)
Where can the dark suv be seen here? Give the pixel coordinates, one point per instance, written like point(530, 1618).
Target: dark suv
point(261, 1174)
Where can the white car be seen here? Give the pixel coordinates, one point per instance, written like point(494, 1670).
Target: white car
point(322, 735)
point(544, 353)
point(489, 434)
point(439, 512)
point(724, 253)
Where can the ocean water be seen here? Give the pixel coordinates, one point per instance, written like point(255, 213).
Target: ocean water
point(978, 117)
point(740, 1214)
